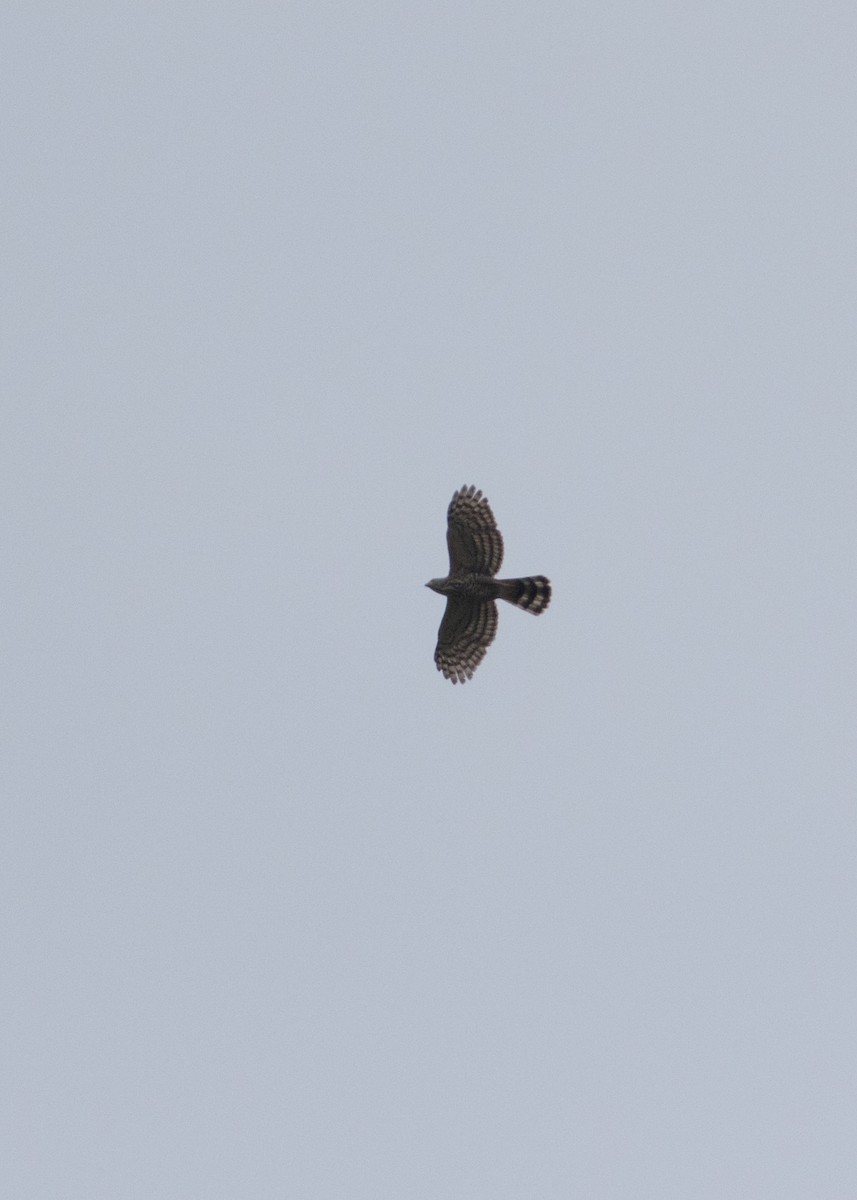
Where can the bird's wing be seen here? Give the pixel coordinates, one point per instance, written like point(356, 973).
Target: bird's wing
point(475, 543)
point(466, 631)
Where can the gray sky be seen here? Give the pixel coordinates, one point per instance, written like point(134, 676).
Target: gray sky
point(284, 913)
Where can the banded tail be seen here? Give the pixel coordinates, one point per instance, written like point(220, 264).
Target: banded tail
point(532, 593)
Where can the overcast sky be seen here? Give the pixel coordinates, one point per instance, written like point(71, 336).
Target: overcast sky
point(284, 913)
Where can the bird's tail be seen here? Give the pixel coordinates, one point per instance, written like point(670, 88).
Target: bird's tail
point(532, 593)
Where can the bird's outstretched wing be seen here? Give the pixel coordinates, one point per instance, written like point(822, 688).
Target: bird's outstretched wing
point(466, 631)
point(474, 541)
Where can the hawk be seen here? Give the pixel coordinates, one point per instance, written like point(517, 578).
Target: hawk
point(475, 553)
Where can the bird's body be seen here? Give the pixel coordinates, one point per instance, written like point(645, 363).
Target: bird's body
point(532, 594)
point(469, 624)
